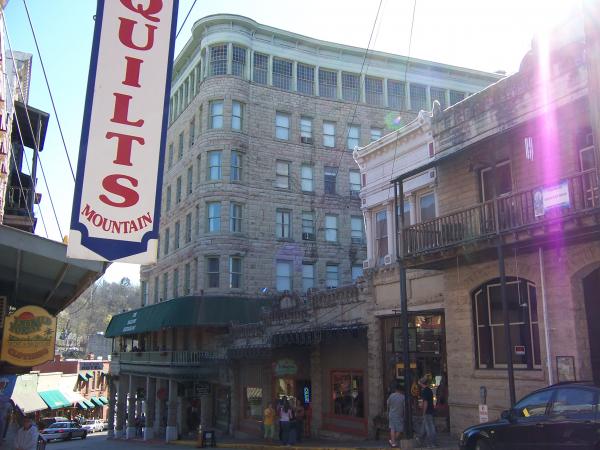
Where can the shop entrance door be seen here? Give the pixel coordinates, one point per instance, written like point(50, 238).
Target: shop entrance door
point(285, 387)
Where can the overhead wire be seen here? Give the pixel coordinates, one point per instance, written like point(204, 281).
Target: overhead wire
point(186, 18)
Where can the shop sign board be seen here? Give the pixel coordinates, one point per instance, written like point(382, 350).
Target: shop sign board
point(550, 197)
point(28, 338)
point(91, 365)
point(285, 367)
point(483, 414)
point(116, 206)
point(201, 388)
point(519, 350)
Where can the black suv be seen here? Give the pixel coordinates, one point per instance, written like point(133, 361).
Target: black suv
point(561, 416)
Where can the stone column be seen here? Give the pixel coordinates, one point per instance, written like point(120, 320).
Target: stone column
point(158, 412)
point(130, 432)
point(121, 405)
point(206, 411)
point(171, 432)
point(112, 403)
point(149, 408)
point(317, 391)
point(375, 400)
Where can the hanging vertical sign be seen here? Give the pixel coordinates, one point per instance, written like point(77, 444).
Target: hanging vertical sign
point(116, 206)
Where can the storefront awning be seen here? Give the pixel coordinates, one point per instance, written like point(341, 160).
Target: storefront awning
point(89, 404)
point(28, 402)
point(310, 336)
point(81, 405)
point(55, 399)
point(89, 375)
point(97, 401)
point(82, 377)
point(103, 399)
point(186, 312)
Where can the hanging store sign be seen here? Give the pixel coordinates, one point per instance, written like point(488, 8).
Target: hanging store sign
point(285, 367)
point(116, 205)
point(28, 337)
point(547, 198)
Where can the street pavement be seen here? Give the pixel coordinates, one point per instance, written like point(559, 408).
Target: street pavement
point(98, 441)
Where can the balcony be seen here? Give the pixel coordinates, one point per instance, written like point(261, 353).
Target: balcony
point(170, 358)
point(520, 215)
point(19, 208)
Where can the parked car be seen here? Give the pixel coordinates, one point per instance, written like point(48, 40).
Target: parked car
point(64, 431)
point(557, 417)
point(45, 422)
point(92, 425)
point(104, 425)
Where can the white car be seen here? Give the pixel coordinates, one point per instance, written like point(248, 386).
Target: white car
point(92, 425)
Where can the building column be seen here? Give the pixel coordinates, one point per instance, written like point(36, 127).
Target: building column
point(112, 400)
point(171, 432)
point(317, 391)
point(149, 408)
point(121, 405)
point(206, 411)
point(375, 390)
point(130, 432)
point(158, 412)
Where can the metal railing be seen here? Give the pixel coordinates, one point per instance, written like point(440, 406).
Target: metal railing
point(171, 358)
point(19, 198)
point(516, 210)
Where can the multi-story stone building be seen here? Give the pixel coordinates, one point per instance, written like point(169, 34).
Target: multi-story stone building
point(260, 190)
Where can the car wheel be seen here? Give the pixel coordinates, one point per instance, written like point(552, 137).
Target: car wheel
point(483, 444)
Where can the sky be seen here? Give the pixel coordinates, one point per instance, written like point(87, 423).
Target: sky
point(480, 34)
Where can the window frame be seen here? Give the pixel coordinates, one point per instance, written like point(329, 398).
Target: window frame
point(328, 271)
point(355, 238)
point(237, 117)
point(233, 274)
point(289, 276)
point(421, 196)
point(305, 287)
point(213, 222)
point(236, 221)
point(353, 136)
point(486, 170)
point(211, 281)
point(235, 172)
point(305, 84)
point(211, 166)
point(260, 75)
point(216, 116)
point(283, 230)
point(307, 184)
point(236, 63)
point(329, 230)
point(282, 130)
point(325, 83)
point(327, 136)
point(218, 65)
point(374, 91)
point(281, 176)
point(352, 374)
point(309, 232)
point(282, 79)
point(330, 175)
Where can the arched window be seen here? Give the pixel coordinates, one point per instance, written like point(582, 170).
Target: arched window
point(490, 342)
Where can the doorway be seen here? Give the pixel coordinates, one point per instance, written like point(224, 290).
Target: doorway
point(591, 287)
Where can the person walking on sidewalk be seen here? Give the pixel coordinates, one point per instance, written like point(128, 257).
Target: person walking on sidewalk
point(426, 434)
point(286, 415)
point(27, 435)
point(299, 415)
point(395, 406)
point(269, 422)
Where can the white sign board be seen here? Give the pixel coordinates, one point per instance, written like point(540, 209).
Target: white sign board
point(551, 197)
point(116, 206)
point(483, 414)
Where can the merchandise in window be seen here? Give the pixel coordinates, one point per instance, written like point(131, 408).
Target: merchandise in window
point(253, 403)
point(347, 388)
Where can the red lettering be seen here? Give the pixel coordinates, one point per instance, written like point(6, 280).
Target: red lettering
point(126, 34)
point(124, 144)
point(153, 7)
point(112, 185)
point(121, 111)
point(88, 212)
point(132, 72)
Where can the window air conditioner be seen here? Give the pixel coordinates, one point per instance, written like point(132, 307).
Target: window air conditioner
point(366, 263)
point(308, 236)
point(387, 260)
point(306, 140)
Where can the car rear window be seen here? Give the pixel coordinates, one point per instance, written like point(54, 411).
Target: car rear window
point(59, 425)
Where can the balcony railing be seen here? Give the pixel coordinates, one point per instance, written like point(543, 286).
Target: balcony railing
point(515, 211)
point(18, 198)
point(170, 358)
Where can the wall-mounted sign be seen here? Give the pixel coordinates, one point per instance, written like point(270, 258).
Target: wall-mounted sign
point(483, 414)
point(519, 350)
point(91, 365)
point(285, 367)
point(28, 338)
point(201, 388)
point(116, 206)
point(547, 198)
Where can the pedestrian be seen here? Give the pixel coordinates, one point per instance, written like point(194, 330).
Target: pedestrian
point(269, 422)
point(285, 417)
point(395, 406)
point(299, 415)
point(27, 435)
point(426, 434)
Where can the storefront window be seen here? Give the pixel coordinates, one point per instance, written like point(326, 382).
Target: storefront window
point(253, 402)
point(347, 391)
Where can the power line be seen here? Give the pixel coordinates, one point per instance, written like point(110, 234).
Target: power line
point(49, 90)
point(184, 20)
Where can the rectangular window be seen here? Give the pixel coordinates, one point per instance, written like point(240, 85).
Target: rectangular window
point(188, 228)
point(331, 228)
point(308, 276)
point(212, 271)
point(238, 62)
point(374, 91)
point(381, 235)
point(332, 276)
point(168, 199)
point(306, 178)
point(282, 126)
point(349, 393)
point(350, 87)
point(165, 286)
point(176, 283)
point(216, 114)
point(308, 226)
point(214, 165)
point(282, 175)
point(178, 191)
point(180, 147)
point(330, 179)
point(187, 279)
point(456, 96)
point(327, 83)
point(261, 68)
point(237, 113)
point(218, 59)
point(282, 74)
point(144, 290)
point(376, 133)
point(167, 239)
point(306, 136)
point(235, 217)
point(253, 403)
point(353, 138)
point(354, 182)
point(329, 134)
point(156, 290)
point(235, 272)
point(356, 233)
point(284, 276)
point(438, 94)
point(236, 166)
point(170, 156)
point(190, 179)
point(503, 181)
point(282, 224)
point(427, 207)
point(418, 97)
point(192, 131)
point(198, 168)
point(177, 235)
point(357, 271)
point(305, 79)
point(396, 95)
point(214, 216)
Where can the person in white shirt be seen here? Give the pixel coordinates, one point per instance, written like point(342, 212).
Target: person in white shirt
point(27, 436)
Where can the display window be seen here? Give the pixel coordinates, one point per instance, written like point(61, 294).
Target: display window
point(347, 388)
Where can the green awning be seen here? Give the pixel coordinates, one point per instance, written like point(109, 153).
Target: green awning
point(103, 399)
point(81, 405)
point(97, 401)
point(82, 378)
point(89, 375)
point(88, 403)
point(186, 312)
point(54, 399)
